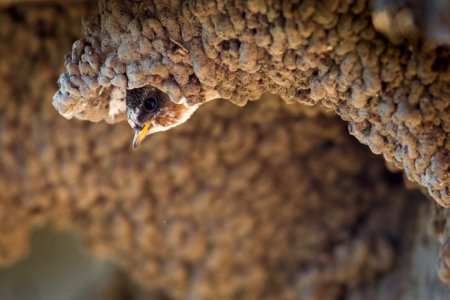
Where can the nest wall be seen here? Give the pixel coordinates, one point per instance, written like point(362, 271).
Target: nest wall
point(271, 200)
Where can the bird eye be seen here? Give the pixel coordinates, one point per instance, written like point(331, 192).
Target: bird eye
point(150, 104)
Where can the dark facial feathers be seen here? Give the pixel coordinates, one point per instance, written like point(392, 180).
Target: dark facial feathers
point(139, 112)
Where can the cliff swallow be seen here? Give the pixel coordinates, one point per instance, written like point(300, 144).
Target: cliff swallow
point(150, 110)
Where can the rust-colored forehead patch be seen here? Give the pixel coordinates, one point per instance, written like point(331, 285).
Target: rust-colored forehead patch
point(171, 113)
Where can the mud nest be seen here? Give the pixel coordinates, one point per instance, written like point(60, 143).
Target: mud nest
point(270, 200)
point(395, 96)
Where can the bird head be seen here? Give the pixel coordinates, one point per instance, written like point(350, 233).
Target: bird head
point(150, 110)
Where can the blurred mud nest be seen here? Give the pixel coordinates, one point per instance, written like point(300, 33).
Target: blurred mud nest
point(269, 201)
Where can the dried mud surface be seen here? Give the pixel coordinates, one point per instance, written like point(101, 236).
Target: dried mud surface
point(267, 201)
point(394, 96)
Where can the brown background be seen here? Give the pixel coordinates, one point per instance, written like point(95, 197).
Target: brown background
point(269, 201)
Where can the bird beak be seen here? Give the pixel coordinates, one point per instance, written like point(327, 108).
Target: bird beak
point(139, 135)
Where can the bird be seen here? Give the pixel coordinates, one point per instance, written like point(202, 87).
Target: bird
point(150, 110)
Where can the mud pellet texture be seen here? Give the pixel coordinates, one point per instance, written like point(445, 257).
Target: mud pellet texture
point(271, 200)
point(394, 96)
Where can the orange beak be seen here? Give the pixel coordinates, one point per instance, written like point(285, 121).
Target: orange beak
point(139, 135)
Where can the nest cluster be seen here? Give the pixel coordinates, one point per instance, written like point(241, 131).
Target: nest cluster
point(271, 200)
point(395, 97)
